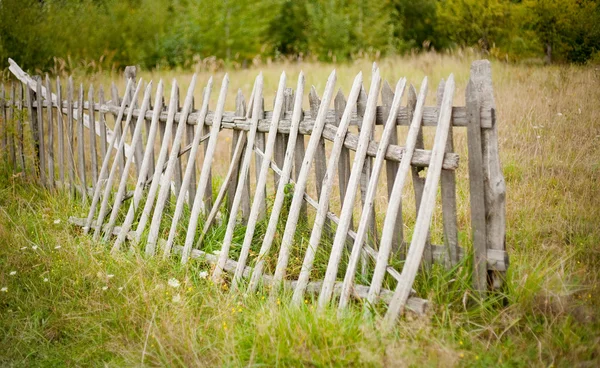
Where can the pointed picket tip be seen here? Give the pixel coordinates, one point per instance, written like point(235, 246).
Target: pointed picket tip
point(374, 67)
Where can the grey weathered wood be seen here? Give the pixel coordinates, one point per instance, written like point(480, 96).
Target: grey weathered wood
point(81, 147)
point(418, 181)
point(20, 136)
point(344, 161)
point(285, 175)
point(282, 139)
point(102, 121)
point(113, 170)
point(191, 185)
point(11, 120)
point(136, 140)
point(178, 173)
point(368, 208)
point(131, 73)
point(33, 122)
point(147, 163)
point(148, 123)
point(391, 168)
point(320, 155)
point(50, 147)
point(205, 181)
point(259, 198)
point(165, 181)
point(353, 184)
point(41, 132)
point(300, 187)
point(260, 145)
point(240, 110)
point(191, 168)
point(389, 226)
point(415, 252)
point(476, 189)
point(61, 134)
point(106, 160)
point(494, 185)
point(366, 169)
point(4, 119)
point(448, 189)
point(325, 197)
point(298, 159)
point(92, 140)
point(256, 114)
point(158, 173)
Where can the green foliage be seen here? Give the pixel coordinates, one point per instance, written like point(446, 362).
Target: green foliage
point(97, 34)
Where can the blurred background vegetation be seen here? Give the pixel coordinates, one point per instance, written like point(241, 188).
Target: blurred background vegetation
point(47, 35)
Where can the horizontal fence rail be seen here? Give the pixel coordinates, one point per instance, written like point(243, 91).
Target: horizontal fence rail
point(144, 166)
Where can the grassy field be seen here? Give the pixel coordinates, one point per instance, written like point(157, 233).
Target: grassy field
point(65, 301)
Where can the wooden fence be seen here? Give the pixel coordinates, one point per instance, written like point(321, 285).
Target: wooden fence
point(162, 147)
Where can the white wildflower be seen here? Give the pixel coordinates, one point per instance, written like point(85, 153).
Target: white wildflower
point(34, 247)
point(57, 247)
point(203, 274)
point(174, 283)
point(110, 275)
point(4, 290)
point(104, 288)
point(217, 252)
point(538, 137)
point(559, 114)
point(12, 273)
point(176, 298)
point(45, 279)
point(23, 248)
point(57, 221)
point(120, 288)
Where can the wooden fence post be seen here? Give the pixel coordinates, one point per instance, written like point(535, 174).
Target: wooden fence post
point(494, 187)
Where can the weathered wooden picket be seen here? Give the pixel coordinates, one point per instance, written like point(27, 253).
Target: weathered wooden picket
point(95, 163)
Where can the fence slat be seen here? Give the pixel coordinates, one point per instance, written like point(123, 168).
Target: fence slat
point(102, 121)
point(165, 182)
point(61, 135)
point(391, 168)
point(355, 179)
point(300, 187)
point(324, 198)
point(148, 123)
point(81, 146)
point(11, 120)
point(113, 169)
point(51, 177)
point(240, 110)
point(189, 138)
point(191, 168)
point(40, 131)
point(389, 227)
point(93, 151)
point(270, 150)
point(136, 140)
point(257, 113)
point(34, 128)
point(288, 162)
point(146, 165)
point(106, 160)
point(114, 91)
point(178, 173)
point(476, 189)
point(368, 208)
point(158, 172)
point(20, 137)
point(4, 119)
point(281, 139)
point(415, 252)
point(344, 161)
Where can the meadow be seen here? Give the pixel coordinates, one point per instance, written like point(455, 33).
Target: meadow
point(66, 301)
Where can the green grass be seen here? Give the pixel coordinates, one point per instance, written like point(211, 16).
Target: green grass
point(71, 303)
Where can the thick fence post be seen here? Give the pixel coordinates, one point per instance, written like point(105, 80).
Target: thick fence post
point(494, 190)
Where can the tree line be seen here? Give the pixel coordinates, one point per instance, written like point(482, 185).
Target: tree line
point(181, 33)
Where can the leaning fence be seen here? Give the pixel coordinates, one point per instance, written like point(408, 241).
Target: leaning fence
point(148, 181)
